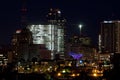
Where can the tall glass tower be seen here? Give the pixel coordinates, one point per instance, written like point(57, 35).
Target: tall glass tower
point(50, 35)
point(55, 17)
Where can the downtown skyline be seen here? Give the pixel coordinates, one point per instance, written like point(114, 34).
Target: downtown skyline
point(88, 13)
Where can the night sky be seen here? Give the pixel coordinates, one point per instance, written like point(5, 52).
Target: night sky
point(87, 12)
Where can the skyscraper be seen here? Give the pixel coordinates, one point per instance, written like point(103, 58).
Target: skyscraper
point(52, 36)
point(110, 36)
point(20, 42)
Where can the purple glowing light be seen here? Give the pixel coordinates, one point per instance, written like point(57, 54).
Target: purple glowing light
point(75, 55)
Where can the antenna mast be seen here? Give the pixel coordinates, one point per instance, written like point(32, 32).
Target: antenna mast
point(24, 14)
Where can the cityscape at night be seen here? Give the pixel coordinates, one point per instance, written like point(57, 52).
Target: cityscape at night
point(60, 40)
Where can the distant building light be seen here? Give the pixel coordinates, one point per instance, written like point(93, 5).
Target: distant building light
point(108, 21)
point(1, 55)
point(112, 53)
point(58, 12)
point(81, 61)
point(5, 59)
point(118, 21)
point(18, 31)
point(50, 13)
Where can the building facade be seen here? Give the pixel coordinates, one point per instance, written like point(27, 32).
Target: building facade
point(50, 35)
point(110, 37)
point(55, 17)
point(20, 42)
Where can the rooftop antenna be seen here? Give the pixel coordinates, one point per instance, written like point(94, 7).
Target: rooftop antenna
point(24, 13)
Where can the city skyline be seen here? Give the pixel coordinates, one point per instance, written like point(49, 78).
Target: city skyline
point(88, 13)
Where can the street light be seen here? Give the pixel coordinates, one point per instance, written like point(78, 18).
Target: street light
point(80, 26)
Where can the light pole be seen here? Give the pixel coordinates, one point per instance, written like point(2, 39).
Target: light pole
point(80, 26)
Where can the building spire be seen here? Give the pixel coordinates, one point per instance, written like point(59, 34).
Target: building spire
point(54, 16)
point(24, 13)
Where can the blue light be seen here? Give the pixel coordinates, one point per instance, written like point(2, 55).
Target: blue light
point(81, 61)
point(76, 55)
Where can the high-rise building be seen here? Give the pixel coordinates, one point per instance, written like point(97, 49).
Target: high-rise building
point(50, 35)
point(27, 42)
point(23, 48)
point(110, 37)
point(56, 27)
point(55, 17)
point(21, 40)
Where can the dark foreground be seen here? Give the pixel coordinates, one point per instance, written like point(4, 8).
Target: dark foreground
point(112, 75)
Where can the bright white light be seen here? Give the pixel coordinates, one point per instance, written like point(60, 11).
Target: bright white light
point(108, 21)
point(18, 31)
point(59, 12)
point(80, 26)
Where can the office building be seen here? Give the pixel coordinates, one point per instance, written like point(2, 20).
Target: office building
point(109, 41)
point(52, 36)
point(20, 43)
point(52, 33)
